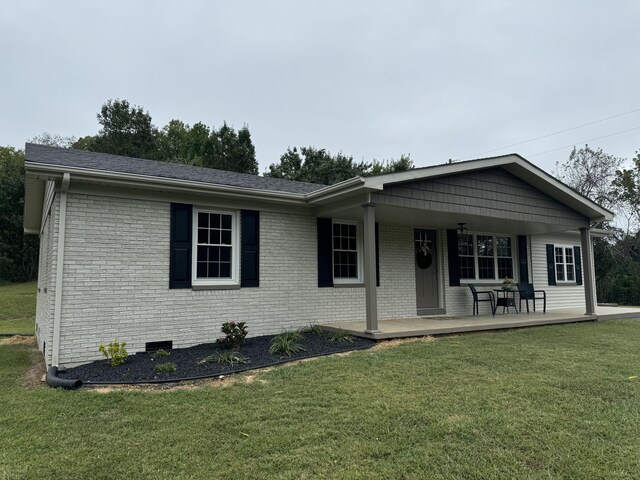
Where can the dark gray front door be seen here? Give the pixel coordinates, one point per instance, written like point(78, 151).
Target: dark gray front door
point(426, 260)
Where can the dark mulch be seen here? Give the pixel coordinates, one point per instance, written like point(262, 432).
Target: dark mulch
point(139, 368)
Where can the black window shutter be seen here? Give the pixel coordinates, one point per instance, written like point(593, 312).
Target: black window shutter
point(523, 259)
point(180, 246)
point(454, 260)
point(377, 259)
point(325, 252)
point(578, 259)
point(551, 264)
point(249, 248)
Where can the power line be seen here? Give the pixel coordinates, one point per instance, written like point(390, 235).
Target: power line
point(557, 133)
point(584, 141)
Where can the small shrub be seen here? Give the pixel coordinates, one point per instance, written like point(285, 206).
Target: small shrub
point(235, 334)
point(161, 353)
point(232, 358)
point(341, 336)
point(116, 352)
point(313, 328)
point(167, 367)
point(286, 343)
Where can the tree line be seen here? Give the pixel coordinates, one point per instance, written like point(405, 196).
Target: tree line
point(614, 184)
point(128, 130)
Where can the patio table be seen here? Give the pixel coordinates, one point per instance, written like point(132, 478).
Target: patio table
point(505, 299)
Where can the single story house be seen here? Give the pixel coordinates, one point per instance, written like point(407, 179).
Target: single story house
point(145, 251)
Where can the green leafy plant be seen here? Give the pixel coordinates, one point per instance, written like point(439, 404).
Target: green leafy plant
point(286, 343)
point(232, 358)
point(313, 328)
point(161, 353)
point(167, 367)
point(341, 336)
point(116, 352)
point(235, 334)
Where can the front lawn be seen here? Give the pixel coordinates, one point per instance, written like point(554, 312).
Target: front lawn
point(546, 402)
point(18, 308)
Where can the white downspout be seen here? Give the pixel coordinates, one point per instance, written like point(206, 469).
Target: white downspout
point(57, 312)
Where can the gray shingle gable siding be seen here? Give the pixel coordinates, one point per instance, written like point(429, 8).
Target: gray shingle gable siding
point(491, 192)
point(65, 157)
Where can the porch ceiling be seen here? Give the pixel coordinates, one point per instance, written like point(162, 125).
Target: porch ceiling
point(419, 218)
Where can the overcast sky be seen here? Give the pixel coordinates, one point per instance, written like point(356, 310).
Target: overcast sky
point(375, 79)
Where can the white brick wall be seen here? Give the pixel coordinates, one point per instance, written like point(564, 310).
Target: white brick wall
point(116, 279)
point(46, 282)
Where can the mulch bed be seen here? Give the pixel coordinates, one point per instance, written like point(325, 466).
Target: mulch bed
point(139, 368)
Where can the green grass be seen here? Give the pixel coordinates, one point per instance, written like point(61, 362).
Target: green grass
point(18, 307)
point(546, 402)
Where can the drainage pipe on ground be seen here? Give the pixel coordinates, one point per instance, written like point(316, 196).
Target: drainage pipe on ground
point(53, 380)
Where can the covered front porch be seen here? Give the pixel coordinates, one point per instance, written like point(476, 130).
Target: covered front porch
point(426, 235)
point(448, 324)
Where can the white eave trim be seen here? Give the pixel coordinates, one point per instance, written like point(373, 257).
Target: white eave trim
point(145, 181)
point(329, 193)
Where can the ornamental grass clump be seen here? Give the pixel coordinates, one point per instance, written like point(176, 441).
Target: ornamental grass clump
point(286, 343)
point(232, 358)
point(341, 336)
point(235, 334)
point(313, 328)
point(116, 352)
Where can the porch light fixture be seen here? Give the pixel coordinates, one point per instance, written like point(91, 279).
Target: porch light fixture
point(462, 231)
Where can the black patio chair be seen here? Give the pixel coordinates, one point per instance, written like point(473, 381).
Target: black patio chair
point(527, 292)
point(476, 300)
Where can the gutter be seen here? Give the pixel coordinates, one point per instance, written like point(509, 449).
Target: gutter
point(331, 191)
point(133, 180)
point(57, 312)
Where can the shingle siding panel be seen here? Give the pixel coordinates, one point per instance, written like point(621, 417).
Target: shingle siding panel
point(495, 189)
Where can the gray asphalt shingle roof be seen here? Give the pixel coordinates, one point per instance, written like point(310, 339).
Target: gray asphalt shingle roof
point(66, 157)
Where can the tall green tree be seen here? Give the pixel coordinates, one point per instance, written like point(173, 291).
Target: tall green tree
point(18, 252)
point(129, 130)
point(391, 166)
point(233, 151)
point(627, 186)
point(126, 130)
point(599, 176)
point(313, 165)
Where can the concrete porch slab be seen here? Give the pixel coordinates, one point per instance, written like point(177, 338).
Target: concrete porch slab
point(443, 324)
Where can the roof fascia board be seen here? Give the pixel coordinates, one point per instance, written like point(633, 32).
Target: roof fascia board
point(191, 196)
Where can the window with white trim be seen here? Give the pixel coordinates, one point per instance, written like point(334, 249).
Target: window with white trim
point(346, 252)
point(215, 247)
point(565, 264)
point(485, 257)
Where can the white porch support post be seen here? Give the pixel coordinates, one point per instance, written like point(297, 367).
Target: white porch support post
point(57, 308)
point(587, 272)
point(369, 235)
